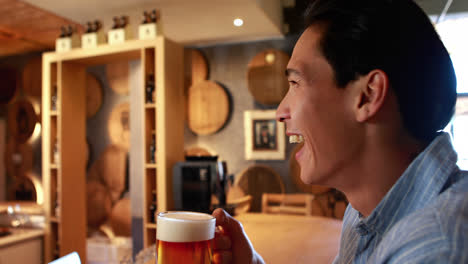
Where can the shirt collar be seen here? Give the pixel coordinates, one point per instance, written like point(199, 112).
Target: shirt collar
point(421, 182)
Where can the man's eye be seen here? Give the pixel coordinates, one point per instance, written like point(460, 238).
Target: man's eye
point(291, 82)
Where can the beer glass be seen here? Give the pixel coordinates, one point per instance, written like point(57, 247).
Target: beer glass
point(184, 237)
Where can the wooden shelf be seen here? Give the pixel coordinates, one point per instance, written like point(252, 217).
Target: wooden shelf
point(150, 226)
point(65, 74)
point(151, 165)
point(150, 106)
point(105, 53)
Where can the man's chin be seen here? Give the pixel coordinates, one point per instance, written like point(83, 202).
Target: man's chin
point(311, 178)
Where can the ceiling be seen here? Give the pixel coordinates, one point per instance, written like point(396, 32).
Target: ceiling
point(25, 28)
point(34, 24)
point(184, 21)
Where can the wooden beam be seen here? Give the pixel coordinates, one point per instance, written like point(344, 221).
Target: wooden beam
point(32, 27)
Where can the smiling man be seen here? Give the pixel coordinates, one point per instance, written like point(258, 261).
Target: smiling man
point(371, 87)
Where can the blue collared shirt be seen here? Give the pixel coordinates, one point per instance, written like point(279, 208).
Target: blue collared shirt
point(422, 219)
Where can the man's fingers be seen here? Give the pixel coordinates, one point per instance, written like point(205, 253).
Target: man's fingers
point(221, 242)
point(222, 257)
point(221, 216)
point(227, 223)
point(241, 248)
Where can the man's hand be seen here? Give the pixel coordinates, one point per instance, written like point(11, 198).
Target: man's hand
point(231, 245)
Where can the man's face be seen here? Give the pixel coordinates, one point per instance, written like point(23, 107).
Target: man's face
point(316, 108)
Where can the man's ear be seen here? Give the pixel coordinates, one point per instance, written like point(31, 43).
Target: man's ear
point(371, 95)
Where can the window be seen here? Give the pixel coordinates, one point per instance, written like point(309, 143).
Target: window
point(453, 33)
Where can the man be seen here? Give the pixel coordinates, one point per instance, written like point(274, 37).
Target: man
point(371, 86)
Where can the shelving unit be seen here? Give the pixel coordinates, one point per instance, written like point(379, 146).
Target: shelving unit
point(65, 180)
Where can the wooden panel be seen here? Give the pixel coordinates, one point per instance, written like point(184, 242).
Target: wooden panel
point(117, 75)
point(22, 120)
point(46, 157)
point(118, 126)
point(25, 27)
point(99, 203)
point(196, 67)
point(73, 166)
point(2, 164)
point(94, 95)
point(265, 75)
point(170, 114)
point(121, 220)
point(8, 86)
point(208, 107)
point(11, 46)
point(147, 64)
point(32, 77)
point(105, 54)
point(18, 158)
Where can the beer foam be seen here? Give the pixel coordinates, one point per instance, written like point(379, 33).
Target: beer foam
point(185, 227)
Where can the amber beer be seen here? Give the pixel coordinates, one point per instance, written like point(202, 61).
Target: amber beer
point(184, 237)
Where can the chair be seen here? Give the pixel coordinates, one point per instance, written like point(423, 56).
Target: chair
point(242, 204)
point(301, 204)
point(237, 199)
point(256, 180)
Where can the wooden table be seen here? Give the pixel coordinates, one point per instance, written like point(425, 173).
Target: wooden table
point(292, 239)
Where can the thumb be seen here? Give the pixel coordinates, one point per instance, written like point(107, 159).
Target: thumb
point(226, 221)
point(241, 245)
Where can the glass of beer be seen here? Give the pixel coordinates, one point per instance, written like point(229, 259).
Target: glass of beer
point(184, 237)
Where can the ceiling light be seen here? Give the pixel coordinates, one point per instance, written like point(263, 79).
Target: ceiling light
point(238, 22)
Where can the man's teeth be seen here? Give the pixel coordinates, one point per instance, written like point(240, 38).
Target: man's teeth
point(296, 139)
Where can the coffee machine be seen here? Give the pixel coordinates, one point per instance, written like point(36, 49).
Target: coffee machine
point(196, 180)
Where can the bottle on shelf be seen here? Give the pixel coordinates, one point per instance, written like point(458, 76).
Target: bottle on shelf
point(149, 88)
point(57, 206)
point(152, 148)
point(53, 99)
point(153, 208)
point(56, 156)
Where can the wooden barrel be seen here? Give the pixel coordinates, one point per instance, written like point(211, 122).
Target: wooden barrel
point(120, 218)
point(32, 78)
point(208, 107)
point(25, 187)
point(22, 120)
point(18, 158)
point(98, 203)
point(117, 76)
point(196, 67)
point(198, 152)
point(119, 126)
point(265, 76)
point(259, 179)
point(295, 173)
point(8, 85)
point(110, 169)
point(93, 95)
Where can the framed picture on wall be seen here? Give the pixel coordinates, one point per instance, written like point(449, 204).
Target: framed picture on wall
point(264, 136)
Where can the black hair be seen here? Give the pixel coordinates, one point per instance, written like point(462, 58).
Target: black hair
point(397, 37)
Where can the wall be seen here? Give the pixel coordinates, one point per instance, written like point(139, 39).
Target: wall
point(17, 63)
point(96, 126)
point(228, 66)
point(2, 159)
